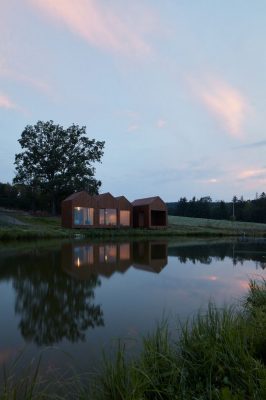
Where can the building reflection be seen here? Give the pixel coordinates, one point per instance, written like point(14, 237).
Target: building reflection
point(85, 259)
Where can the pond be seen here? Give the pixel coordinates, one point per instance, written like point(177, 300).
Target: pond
point(71, 300)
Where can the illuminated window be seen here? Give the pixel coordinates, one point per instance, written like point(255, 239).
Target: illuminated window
point(83, 216)
point(108, 216)
point(124, 218)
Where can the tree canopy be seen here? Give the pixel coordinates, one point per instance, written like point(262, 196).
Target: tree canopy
point(57, 161)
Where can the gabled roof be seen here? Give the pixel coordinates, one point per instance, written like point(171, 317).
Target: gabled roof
point(76, 195)
point(146, 201)
point(104, 195)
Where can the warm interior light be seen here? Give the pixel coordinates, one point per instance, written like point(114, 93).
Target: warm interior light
point(105, 258)
point(78, 262)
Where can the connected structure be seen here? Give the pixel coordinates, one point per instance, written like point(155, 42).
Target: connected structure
point(81, 210)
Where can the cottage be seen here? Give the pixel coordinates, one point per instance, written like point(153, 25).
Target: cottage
point(150, 212)
point(80, 210)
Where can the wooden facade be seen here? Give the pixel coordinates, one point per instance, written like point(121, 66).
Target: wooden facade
point(80, 210)
point(149, 213)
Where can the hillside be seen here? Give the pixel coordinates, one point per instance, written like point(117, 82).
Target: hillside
point(215, 226)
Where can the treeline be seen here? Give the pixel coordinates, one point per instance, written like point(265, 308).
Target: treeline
point(238, 209)
point(23, 197)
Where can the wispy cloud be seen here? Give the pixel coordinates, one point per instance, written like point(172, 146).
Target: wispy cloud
point(36, 83)
point(255, 173)
point(132, 128)
point(6, 102)
point(100, 24)
point(209, 181)
point(225, 102)
point(261, 143)
point(160, 123)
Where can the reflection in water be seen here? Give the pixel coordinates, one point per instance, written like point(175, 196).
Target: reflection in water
point(207, 253)
point(54, 289)
point(52, 306)
point(84, 260)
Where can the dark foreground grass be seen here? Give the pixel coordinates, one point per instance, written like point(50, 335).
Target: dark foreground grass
point(218, 355)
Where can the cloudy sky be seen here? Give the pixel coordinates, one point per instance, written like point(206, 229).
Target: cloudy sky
point(177, 89)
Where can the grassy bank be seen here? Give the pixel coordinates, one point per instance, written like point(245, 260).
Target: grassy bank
point(22, 226)
point(218, 355)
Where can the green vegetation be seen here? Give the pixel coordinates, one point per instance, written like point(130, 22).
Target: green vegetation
point(218, 355)
point(238, 209)
point(53, 163)
point(222, 226)
point(23, 226)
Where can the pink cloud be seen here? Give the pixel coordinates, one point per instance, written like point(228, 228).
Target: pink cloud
point(133, 127)
point(36, 83)
point(6, 102)
point(161, 123)
point(252, 173)
point(225, 102)
point(99, 24)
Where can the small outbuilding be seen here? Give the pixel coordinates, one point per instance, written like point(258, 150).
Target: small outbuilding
point(150, 212)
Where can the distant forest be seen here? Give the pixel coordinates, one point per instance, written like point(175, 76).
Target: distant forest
point(238, 209)
point(23, 197)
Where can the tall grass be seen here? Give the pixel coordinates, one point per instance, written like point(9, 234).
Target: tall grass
point(217, 355)
point(26, 385)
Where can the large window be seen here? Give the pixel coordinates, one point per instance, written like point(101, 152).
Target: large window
point(108, 216)
point(124, 218)
point(83, 216)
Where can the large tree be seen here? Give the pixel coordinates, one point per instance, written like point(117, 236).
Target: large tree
point(57, 161)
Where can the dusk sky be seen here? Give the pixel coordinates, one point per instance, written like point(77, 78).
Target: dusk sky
point(176, 88)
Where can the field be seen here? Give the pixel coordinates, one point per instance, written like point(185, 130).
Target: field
point(213, 225)
point(18, 225)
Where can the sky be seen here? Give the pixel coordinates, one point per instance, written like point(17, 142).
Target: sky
point(175, 88)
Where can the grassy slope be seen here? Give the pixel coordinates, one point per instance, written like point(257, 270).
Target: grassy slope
point(218, 226)
point(49, 227)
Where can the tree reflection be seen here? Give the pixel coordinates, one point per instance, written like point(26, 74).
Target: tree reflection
point(52, 305)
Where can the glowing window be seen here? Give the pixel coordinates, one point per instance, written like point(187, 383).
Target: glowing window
point(108, 216)
point(124, 218)
point(83, 216)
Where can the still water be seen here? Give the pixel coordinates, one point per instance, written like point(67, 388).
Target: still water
point(71, 300)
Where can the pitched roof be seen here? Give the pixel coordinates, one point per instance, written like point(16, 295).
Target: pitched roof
point(75, 195)
point(144, 202)
point(103, 195)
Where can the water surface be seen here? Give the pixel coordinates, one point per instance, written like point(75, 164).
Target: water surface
point(72, 299)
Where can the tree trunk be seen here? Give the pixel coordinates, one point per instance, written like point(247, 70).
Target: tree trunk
point(53, 205)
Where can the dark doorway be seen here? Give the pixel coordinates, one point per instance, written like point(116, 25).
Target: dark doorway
point(158, 218)
point(141, 219)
